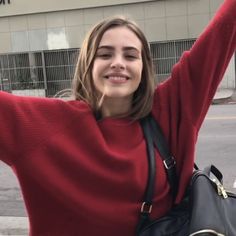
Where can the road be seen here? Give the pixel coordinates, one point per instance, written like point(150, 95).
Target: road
point(216, 144)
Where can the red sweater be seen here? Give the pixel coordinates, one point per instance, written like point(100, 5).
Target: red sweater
point(85, 177)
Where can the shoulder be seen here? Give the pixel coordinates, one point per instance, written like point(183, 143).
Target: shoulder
point(35, 106)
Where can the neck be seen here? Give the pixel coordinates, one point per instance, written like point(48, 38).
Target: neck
point(112, 107)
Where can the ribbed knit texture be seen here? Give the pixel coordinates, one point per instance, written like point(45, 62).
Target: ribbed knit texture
point(85, 177)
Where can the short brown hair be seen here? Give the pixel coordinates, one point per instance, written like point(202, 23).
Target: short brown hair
point(83, 86)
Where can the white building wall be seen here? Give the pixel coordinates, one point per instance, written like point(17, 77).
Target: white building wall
point(160, 21)
point(229, 77)
point(22, 7)
point(41, 30)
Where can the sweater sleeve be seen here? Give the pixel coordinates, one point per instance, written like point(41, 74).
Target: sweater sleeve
point(194, 79)
point(21, 119)
point(27, 122)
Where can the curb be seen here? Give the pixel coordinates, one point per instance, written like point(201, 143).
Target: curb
point(224, 96)
point(15, 226)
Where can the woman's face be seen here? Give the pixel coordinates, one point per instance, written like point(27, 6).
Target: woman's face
point(118, 64)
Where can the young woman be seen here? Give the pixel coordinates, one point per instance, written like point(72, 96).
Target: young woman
point(82, 164)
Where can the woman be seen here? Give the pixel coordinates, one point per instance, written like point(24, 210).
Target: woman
point(82, 164)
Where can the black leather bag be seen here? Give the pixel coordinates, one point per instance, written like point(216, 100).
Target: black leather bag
point(206, 210)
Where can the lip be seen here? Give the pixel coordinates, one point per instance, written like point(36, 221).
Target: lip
point(119, 75)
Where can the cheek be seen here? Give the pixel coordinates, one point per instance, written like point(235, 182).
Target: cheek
point(140, 70)
point(98, 69)
point(96, 74)
point(94, 70)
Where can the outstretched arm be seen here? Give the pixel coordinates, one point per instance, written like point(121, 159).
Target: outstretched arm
point(195, 77)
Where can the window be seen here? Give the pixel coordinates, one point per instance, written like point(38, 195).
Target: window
point(166, 54)
point(48, 70)
point(53, 70)
point(59, 67)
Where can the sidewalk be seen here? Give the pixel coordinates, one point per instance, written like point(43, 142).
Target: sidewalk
point(225, 96)
point(15, 226)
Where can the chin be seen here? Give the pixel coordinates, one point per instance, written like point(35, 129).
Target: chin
point(119, 95)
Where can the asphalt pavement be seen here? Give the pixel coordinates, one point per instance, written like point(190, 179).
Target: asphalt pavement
point(10, 225)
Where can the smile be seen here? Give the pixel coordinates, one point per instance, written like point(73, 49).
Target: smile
point(117, 78)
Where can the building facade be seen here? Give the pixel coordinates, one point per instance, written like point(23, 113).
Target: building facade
point(40, 40)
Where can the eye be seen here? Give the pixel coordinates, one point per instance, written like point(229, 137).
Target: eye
point(104, 55)
point(131, 57)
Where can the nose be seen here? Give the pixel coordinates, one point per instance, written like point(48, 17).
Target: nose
point(118, 63)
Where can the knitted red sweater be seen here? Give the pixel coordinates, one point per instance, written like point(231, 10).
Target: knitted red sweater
point(85, 177)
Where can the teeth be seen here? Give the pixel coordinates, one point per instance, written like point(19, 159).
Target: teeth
point(117, 78)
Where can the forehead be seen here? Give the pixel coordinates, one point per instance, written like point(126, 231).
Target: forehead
point(120, 37)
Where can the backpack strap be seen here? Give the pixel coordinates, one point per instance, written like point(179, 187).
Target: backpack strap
point(167, 158)
point(154, 137)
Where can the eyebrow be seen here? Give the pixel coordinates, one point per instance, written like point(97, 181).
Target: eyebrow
point(128, 48)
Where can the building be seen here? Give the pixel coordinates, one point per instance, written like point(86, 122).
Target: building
point(40, 40)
